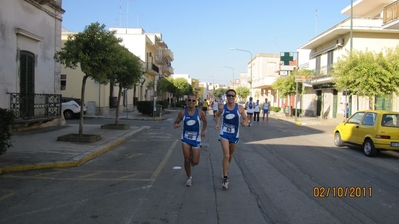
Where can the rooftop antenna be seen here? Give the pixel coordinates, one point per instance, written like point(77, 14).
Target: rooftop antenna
point(127, 13)
point(120, 13)
point(317, 15)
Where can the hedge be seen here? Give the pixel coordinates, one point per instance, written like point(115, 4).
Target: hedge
point(147, 107)
point(6, 126)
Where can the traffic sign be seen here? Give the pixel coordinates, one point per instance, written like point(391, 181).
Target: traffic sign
point(302, 78)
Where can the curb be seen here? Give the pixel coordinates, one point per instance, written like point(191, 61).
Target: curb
point(74, 163)
point(299, 123)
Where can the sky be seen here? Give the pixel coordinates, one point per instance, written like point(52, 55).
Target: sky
point(201, 33)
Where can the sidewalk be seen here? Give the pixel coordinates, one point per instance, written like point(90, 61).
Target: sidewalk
point(39, 149)
point(305, 121)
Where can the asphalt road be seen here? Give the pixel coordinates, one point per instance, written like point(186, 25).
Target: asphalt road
point(281, 173)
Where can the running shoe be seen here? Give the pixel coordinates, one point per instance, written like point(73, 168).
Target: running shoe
point(225, 183)
point(189, 182)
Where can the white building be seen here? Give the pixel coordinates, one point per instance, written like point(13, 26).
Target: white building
point(30, 78)
point(155, 57)
point(370, 31)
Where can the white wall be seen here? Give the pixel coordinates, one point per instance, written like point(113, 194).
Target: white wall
point(40, 34)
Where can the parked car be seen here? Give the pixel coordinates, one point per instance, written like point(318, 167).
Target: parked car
point(373, 130)
point(71, 107)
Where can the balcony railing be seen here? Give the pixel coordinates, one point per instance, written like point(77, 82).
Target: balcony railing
point(167, 53)
point(152, 67)
point(391, 12)
point(35, 106)
point(167, 69)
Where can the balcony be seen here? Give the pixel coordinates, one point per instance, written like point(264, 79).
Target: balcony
point(152, 69)
point(167, 54)
point(28, 107)
point(391, 15)
point(168, 70)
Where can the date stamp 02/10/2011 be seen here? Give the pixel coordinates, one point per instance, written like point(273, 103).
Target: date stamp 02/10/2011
point(343, 192)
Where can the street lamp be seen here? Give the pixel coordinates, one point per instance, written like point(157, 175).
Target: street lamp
point(250, 61)
point(233, 72)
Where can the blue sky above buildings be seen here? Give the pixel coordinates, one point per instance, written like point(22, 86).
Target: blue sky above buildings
point(201, 33)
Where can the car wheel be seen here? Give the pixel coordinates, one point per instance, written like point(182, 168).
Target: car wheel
point(337, 139)
point(369, 149)
point(68, 114)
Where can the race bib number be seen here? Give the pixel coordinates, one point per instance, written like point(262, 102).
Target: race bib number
point(229, 129)
point(191, 135)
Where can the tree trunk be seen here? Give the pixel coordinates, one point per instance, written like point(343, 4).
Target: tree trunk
point(82, 100)
point(117, 106)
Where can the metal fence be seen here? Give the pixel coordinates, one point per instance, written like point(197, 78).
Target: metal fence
point(35, 106)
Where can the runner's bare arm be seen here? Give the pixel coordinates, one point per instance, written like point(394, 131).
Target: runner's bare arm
point(217, 117)
point(179, 117)
point(244, 121)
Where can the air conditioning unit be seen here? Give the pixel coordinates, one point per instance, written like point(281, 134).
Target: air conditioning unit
point(340, 42)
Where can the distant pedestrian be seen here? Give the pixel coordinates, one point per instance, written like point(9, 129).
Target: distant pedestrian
point(231, 113)
point(215, 106)
point(205, 105)
point(265, 111)
point(346, 112)
point(250, 106)
point(193, 118)
point(256, 112)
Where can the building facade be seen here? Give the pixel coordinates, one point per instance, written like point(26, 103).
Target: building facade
point(101, 99)
point(30, 78)
point(365, 30)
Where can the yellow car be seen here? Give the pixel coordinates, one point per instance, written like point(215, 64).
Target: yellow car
point(374, 130)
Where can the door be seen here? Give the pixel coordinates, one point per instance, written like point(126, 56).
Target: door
point(27, 84)
point(318, 103)
point(352, 127)
point(335, 103)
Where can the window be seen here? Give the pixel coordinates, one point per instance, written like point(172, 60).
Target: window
point(330, 57)
point(63, 81)
point(390, 120)
point(369, 119)
point(318, 65)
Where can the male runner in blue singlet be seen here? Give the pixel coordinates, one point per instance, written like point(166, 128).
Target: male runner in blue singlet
point(192, 134)
point(250, 107)
point(229, 130)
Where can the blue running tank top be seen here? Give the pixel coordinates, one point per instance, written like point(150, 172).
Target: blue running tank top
point(231, 120)
point(191, 130)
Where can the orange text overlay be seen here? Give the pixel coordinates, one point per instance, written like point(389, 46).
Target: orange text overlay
point(343, 192)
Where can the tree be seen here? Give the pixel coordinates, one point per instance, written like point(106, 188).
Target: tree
point(165, 85)
point(368, 74)
point(243, 92)
point(219, 92)
point(127, 72)
point(94, 50)
point(286, 85)
point(182, 86)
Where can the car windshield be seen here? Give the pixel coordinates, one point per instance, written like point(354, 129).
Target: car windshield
point(356, 118)
point(390, 120)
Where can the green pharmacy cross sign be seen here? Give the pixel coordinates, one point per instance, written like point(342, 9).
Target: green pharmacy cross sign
point(286, 58)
